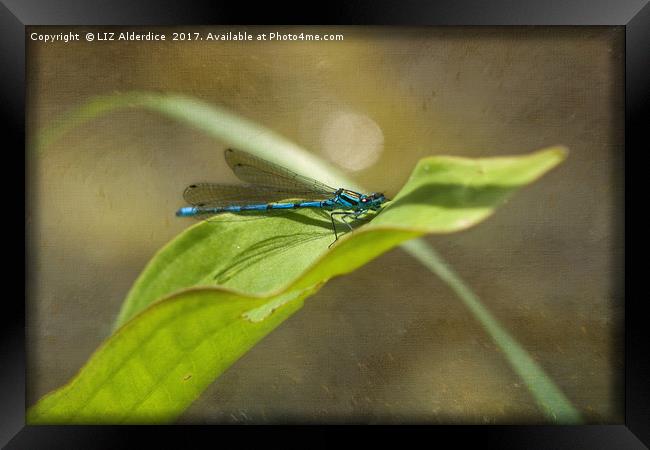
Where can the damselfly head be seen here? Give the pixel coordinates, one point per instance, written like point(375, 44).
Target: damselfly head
point(374, 199)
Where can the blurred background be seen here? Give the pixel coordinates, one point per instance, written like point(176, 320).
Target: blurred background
point(399, 347)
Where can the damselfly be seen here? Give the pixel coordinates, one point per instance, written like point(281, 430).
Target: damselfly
point(267, 185)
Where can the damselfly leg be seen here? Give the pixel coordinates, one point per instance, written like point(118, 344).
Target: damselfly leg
point(355, 215)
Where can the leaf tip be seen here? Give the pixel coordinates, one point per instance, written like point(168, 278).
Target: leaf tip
point(561, 152)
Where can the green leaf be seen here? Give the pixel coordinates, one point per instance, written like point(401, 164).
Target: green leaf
point(261, 271)
point(151, 369)
point(444, 194)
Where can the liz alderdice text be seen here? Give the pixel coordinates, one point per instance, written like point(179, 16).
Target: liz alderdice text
point(183, 36)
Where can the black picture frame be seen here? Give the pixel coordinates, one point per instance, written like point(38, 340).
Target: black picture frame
point(634, 15)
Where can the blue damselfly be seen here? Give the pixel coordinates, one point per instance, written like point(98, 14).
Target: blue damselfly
point(268, 188)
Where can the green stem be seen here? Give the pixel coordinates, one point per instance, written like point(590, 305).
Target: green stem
point(547, 395)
